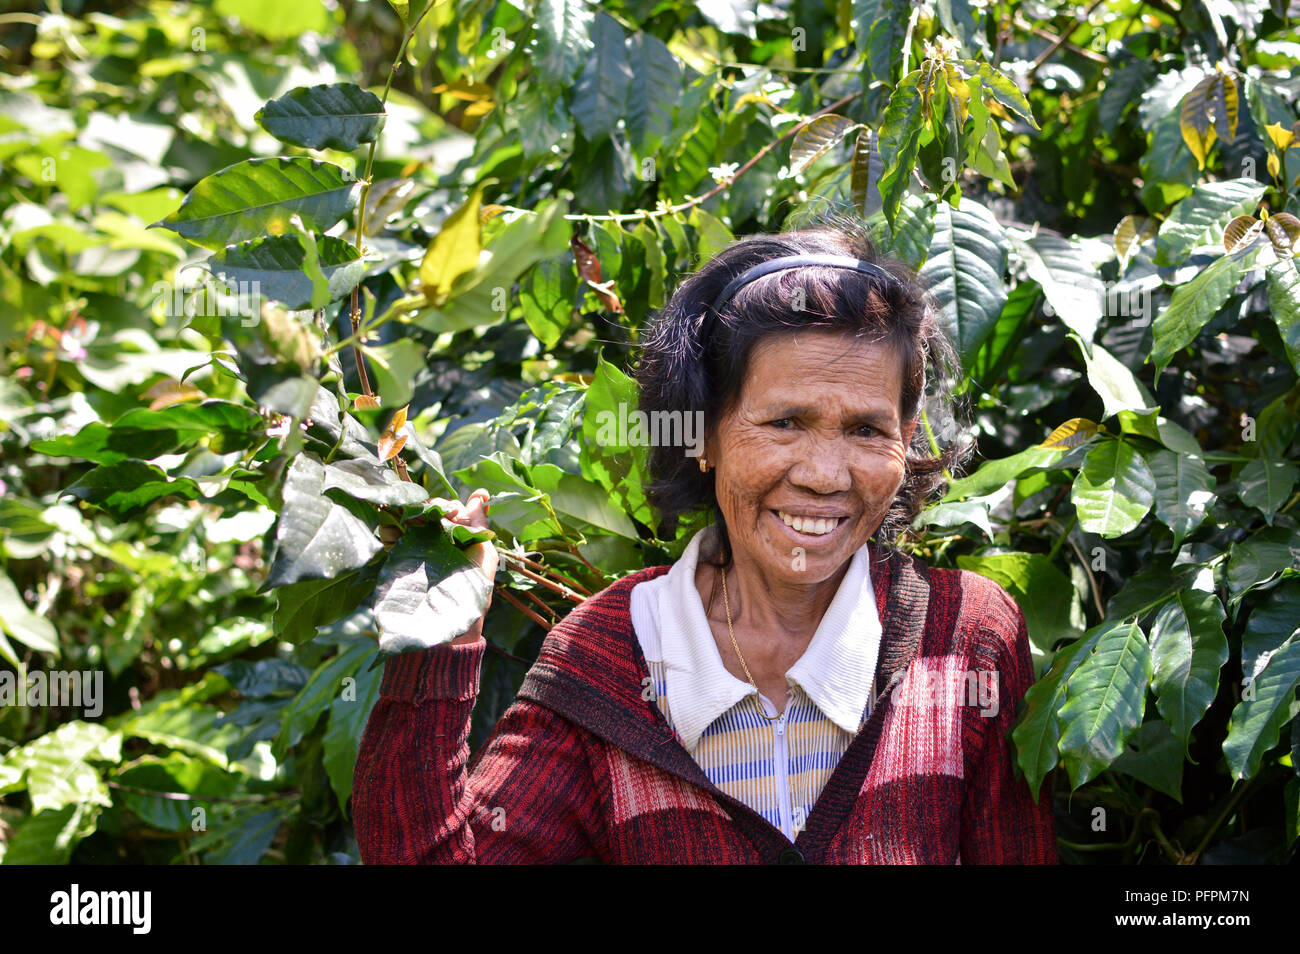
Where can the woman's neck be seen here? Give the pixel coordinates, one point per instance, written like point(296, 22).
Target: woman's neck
point(783, 612)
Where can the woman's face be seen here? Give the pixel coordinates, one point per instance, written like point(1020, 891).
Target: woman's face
point(811, 455)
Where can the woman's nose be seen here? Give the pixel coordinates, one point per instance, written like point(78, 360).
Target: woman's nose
point(822, 467)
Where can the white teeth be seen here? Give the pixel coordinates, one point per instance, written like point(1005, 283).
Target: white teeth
point(817, 526)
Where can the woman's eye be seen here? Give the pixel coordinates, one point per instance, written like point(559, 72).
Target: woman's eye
point(866, 430)
point(781, 422)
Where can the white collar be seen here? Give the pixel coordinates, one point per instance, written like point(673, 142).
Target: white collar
point(836, 670)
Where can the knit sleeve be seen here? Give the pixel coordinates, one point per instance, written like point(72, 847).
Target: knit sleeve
point(1001, 824)
point(530, 798)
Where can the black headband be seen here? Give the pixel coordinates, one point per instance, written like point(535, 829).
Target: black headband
point(794, 261)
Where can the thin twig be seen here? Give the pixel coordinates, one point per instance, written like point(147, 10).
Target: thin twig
point(510, 598)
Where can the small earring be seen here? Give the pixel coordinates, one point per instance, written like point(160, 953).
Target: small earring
point(704, 465)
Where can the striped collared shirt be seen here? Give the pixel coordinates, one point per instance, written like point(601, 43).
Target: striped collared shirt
point(778, 768)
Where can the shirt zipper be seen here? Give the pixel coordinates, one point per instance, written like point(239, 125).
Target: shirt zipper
point(781, 758)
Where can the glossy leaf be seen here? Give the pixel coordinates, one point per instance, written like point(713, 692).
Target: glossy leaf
point(329, 116)
point(1105, 698)
point(1114, 489)
point(258, 197)
point(276, 267)
point(1188, 648)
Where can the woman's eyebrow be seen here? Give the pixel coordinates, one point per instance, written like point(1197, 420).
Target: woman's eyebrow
point(880, 418)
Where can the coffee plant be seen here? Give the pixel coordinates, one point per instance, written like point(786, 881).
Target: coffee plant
point(282, 280)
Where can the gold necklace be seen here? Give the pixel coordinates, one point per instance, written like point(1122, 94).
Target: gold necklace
point(736, 647)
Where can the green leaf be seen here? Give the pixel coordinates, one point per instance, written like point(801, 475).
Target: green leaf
point(1266, 484)
point(279, 20)
point(1045, 594)
point(1272, 622)
point(899, 142)
point(128, 485)
point(1114, 489)
point(1256, 559)
point(259, 196)
point(316, 538)
point(1283, 282)
point(1267, 704)
point(1201, 218)
point(564, 41)
point(428, 593)
point(600, 96)
point(348, 715)
point(57, 765)
point(1153, 756)
point(1184, 491)
point(330, 116)
point(327, 683)
point(1038, 733)
point(1069, 281)
point(656, 85)
point(1003, 89)
point(964, 272)
point(395, 365)
point(994, 474)
point(1193, 305)
point(16, 619)
point(547, 300)
point(912, 232)
point(1188, 648)
point(949, 515)
point(1105, 697)
point(1117, 386)
point(367, 480)
point(48, 837)
point(275, 268)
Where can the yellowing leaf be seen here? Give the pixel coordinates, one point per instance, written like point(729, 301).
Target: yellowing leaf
point(1133, 230)
point(1243, 231)
point(1282, 138)
point(399, 419)
point(1072, 433)
point(170, 391)
point(390, 447)
point(366, 402)
point(453, 252)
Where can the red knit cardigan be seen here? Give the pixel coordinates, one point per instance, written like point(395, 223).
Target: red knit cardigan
point(583, 764)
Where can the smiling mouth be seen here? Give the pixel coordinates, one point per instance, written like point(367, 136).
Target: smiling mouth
point(813, 526)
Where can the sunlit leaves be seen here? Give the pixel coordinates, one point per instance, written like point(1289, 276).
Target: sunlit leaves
point(316, 537)
point(1209, 112)
point(817, 138)
point(964, 271)
point(1267, 704)
point(1198, 219)
point(277, 267)
point(428, 593)
point(454, 251)
point(258, 197)
point(564, 43)
point(1188, 648)
point(1105, 698)
point(1114, 489)
point(338, 116)
point(1193, 305)
point(1184, 491)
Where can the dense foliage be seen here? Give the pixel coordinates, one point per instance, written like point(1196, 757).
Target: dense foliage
point(279, 279)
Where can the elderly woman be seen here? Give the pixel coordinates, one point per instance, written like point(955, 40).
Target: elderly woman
point(792, 689)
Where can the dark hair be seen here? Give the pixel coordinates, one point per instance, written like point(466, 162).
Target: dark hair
point(694, 360)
